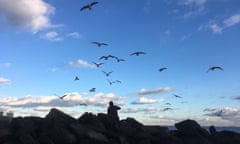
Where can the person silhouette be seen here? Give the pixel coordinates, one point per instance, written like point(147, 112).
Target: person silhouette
point(112, 111)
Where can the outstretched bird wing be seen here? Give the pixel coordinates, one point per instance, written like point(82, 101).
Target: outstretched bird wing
point(93, 3)
point(138, 53)
point(161, 69)
point(84, 7)
point(177, 96)
point(214, 67)
point(89, 6)
point(99, 44)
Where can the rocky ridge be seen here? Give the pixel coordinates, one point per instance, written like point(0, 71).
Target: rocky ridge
point(59, 128)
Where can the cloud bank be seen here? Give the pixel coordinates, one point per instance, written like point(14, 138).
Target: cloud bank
point(32, 15)
point(4, 80)
point(80, 63)
point(72, 99)
point(227, 113)
point(143, 100)
point(217, 28)
point(154, 91)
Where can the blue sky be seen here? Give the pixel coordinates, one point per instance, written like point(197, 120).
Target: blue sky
point(45, 44)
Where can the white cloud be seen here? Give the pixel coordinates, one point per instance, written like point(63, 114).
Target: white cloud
point(185, 37)
point(33, 15)
point(80, 63)
point(227, 113)
point(232, 20)
point(148, 110)
point(4, 80)
point(101, 99)
point(194, 13)
point(195, 2)
point(143, 100)
point(52, 36)
point(54, 69)
point(75, 35)
point(155, 91)
point(72, 99)
point(4, 108)
point(215, 28)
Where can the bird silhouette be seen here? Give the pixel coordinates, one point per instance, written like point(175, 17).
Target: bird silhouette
point(100, 44)
point(167, 104)
point(61, 97)
point(137, 53)
point(107, 73)
point(103, 57)
point(162, 69)
point(119, 60)
point(165, 109)
point(76, 78)
point(83, 104)
point(214, 67)
point(118, 81)
point(219, 113)
point(107, 57)
point(92, 90)
point(98, 64)
point(111, 82)
point(89, 6)
point(177, 96)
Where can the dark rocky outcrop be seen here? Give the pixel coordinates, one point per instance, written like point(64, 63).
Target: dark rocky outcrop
point(60, 128)
point(192, 133)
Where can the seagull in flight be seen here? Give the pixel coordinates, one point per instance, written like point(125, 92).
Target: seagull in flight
point(177, 96)
point(110, 82)
point(89, 6)
point(137, 53)
point(92, 90)
point(98, 64)
point(162, 69)
point(100, 44)
point(165, 109)
point(83, 104)
point(116, 81)
point(119, 60)
point(107, 57)
point(214, 67)
point(107, 73)
point(219, 113)
point(76, 78)
point(61, 97)
point(167, 103)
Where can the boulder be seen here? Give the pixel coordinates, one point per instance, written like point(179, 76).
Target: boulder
point(160, 134)
point(58, 118)
point(192, 133)
point(133, 130)
point(99, 138)
point(60, 135)
point(92, 121)
point(5, 135)
point(226, 137)
point(44, 140)
point(26, 138)
point(30, 125)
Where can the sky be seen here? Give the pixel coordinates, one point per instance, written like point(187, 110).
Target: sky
point(46, 44)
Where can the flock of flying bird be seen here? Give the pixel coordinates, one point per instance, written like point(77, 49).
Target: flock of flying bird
point(107, 74)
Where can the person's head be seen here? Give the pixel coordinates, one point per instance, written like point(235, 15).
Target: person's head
point(111, 103)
